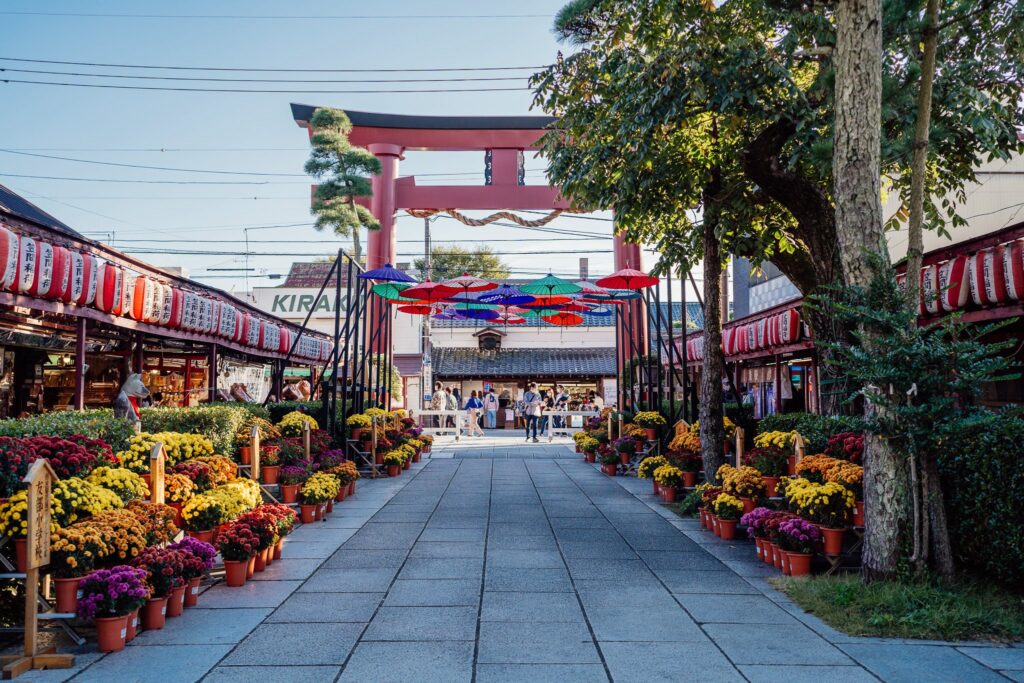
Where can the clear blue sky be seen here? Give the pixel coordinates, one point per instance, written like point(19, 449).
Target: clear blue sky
point(250, 132)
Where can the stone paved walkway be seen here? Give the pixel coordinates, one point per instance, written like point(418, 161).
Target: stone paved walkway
point(532, 568)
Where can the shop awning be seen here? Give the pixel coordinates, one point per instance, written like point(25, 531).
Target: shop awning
point(545, 363)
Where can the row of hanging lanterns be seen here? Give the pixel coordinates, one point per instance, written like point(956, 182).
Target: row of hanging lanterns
point(467, 297)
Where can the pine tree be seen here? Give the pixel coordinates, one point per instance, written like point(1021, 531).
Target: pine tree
point(341, 171)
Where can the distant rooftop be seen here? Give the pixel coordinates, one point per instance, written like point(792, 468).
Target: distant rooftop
point(20, 207)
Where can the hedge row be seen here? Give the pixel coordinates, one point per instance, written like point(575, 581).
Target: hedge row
point(816, 429)
point(97, 424)
point(218, 423)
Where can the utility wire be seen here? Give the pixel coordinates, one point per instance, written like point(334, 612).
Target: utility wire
point(278, 17)
point(153, 168)
point(146, 182)
point(208, 79)
point(256, 90)
point(274, 70)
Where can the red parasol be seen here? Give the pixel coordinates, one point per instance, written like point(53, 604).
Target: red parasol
point(470, 283)
point(574, 308)
point(564, 319)
point(429, 291)
point(627, 278)
point(548, 301)
point(417, 309)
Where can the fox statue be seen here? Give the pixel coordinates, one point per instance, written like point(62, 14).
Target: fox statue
point(126, 405)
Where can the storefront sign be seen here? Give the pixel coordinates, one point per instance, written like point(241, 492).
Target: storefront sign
point(292, 302)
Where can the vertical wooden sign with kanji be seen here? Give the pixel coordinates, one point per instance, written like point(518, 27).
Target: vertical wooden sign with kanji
point(305, 441)
point(254, 444)
point(39, 480)
point(157, 462)
point(739, 446)
point(798, 447)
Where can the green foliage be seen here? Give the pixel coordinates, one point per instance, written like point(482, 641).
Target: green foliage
point(816, 429)
point(96, 424)
point(983, 474)
point(218, 423)
point(341, 171)
point(255, 409)
point(449, 262)
point(277, 411)
point(952, 612)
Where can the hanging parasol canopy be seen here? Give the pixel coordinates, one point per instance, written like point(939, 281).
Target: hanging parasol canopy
point(388, 273)
point(564, 319)
point(417, 309)
point(392, 291)
point(600, 312)
point(477, 314)
point(574, 308)
point(539, 312)
point(588, 288)
point(612, 296)
point(628, 278)
point(548, 301)
point(429, 291)
point(507, 296)
point(514, 320)
point(550, 285)
point(470, 283)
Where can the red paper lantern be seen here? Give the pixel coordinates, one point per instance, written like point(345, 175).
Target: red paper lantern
point(9, 253)
point(1013, 270)
point(953, 283)
point(110, 289)
point(930, 288)
point(789, 326)
point(85, 269)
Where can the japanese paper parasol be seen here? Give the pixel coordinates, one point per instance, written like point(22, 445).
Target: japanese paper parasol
point(417, 309)
point(392, 291)
point(539, 312)
point(506, 296)
point(512, 319)
point(470, 283)
point(612, 296)
point(628, 278)
point(589, 289)
point(477, 314)
point(564, 319)
point(574, 308)
point(386, 274)
point(548, 301)
point(600, 312)
point(429, 291)
point(550, 285)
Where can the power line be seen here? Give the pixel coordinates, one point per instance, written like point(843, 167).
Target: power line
point(278, 17)
point(275, 70)
point(159, 149)
point(256, 90)
point(208, 79)
point(153, 168)
point(197, 252)
point(335, 242)
point(146, 182)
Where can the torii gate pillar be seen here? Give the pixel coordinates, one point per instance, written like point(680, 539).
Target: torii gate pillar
point(381, 245)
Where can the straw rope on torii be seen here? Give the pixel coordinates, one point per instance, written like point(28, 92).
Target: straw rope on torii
point(477, 222)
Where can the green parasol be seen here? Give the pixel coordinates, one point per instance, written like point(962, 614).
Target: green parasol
point(550, 285)
point(392, 291)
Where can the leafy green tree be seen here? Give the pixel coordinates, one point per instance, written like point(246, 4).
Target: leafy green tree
point(342, 173)
point(449, 262)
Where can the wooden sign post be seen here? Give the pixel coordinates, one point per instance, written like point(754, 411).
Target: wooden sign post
point(305, 442)
point(739, 446)
point(254, 445)
point(157, 461)
point(40, 480)
point(373, 436)
point(798, 447)
point(681, 428)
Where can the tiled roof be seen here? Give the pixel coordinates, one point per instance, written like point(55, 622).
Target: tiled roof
point(24, 209)
point(539, 363)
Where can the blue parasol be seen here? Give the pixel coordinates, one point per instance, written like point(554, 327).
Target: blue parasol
point(386, 274)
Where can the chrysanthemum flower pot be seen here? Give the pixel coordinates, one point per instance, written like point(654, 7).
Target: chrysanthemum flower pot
point(307, 513)
point(407, 465)
point(21, 554)
point(858, 513)
point(234, 572)
point(625, 457)
point(777, 557)
point(651, 432)
point(154, 613)
point(393, 470)
point(178, 519)
point(715, 524)
point(269, 474)
point(689, 479)
point(245, 455)
point(748, 504)
point(799, 564)
point(833, 540)
point(352, 488)
point(342, 494)
point(67, 594)
point(655, 488)
point(279, 549)
point(768, 552)
point(250, 568)
point(111, 633)
point(192, 592)
point(785, 562)
point(289, 493)
point(330, 506)
point(771, 485)
point(759, 544)
point(260, 561)
point(727, 529)
point(668, 494)
point(206, 536)
point(176, 601)
point(133, 624)
point(590, 457)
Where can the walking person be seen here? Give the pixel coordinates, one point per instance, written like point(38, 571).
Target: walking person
point(437, 402)
point(597, 401)
point(531, 410)
point(491, 409)
point(451, 403)
point(473, 407)
point(561, 403)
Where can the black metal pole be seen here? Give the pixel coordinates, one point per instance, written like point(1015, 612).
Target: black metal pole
point(686, 370)
point(357, 401)
point(344, 355)
point(331, 401)
point(671, 353)
point(619, 357)
point(390, 353)
point(659, 345)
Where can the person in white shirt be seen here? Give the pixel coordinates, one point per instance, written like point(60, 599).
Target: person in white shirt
point(491, 409)
point(597, 402)
point(531, 409)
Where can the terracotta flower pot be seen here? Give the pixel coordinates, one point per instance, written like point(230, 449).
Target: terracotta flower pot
point(777, 556)
point(330, 506)
point(67, 594)
point(279, 549)
point(426, 448)
point(748, 504)
point(154, 613)
point(655, 488)
point(393, 470)
point(204, 536)
point(250, 568)
point(289, 493)
point(307, 513)
point(234, 572)
point(759, 544)
point(652, 433)
point(407, 464)
point(799, 564)
point(192, 592)
point(176, 601)
point(356, 433)
point(416, 457)
point(133, 625)
point(269, 474)
point(689, 479)
point(624, 458)
point(833, 540)
point(578, 449)
point(260, 561)
point(727, 529)
point(791, 465)
point(21, 554)
point(378, 459)
point(715, 524)
point(352, 488)
point(768, 552)
point(610, 470)
point(590, 457)
point(111, 633)
point(245, 455)
point(785, 562)
point(668, 494)
point(342, 494)
point(148, 479)
point(771, 485)
point(858, 513)
point(318, 513)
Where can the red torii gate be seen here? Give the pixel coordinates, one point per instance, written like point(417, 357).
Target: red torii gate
point(506, 138)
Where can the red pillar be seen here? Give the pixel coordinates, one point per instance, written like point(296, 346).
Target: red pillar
point(382, 244)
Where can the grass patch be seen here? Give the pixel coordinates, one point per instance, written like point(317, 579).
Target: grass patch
point(962, 610)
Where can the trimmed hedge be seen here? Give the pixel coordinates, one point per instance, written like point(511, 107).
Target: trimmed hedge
point(218, 423)
point(983, 476)
point(279, 410)
point(255, 409)
point(816, 429)
point(96, 424)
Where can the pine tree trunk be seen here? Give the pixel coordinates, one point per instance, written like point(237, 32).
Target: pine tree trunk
point(919, 164)
point(712, 435)
point(357, 246)
point(935, 506)
point(857, 177)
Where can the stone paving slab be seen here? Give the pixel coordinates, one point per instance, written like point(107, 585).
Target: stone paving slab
point(902, 663)
point(411, 661)
point(293, 674)
point(763, 673)
point(423, 623)
point(305, 644)
point(302, 608)
point(668, 663)
point(166, 663)
point(201, 626)
point(540, 673)
point(434, 593)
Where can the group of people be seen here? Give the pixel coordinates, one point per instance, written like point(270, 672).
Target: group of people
point(483, 406)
